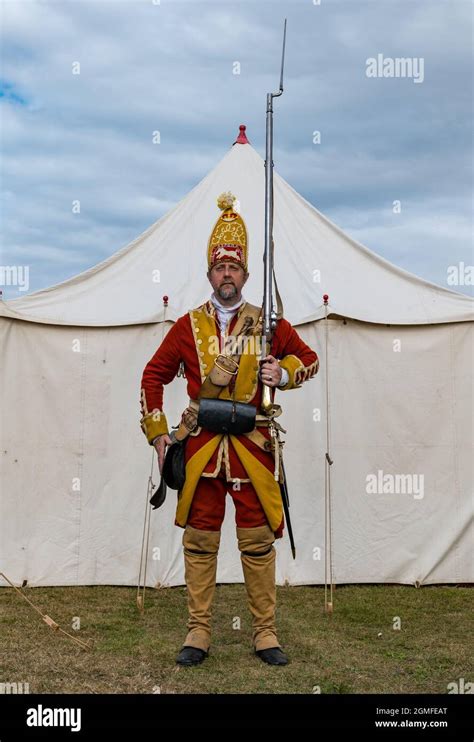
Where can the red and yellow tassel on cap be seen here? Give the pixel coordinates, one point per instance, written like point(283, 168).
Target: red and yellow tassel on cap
point(228, 240)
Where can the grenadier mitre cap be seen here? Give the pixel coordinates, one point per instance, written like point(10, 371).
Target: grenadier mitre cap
point(228, 240)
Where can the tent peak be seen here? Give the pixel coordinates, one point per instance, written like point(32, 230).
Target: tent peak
point(242, 138)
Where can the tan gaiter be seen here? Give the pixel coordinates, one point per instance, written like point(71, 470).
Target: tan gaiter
point(200, 568)
point(258, 564)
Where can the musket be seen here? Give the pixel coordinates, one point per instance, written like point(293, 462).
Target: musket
point(269, 316)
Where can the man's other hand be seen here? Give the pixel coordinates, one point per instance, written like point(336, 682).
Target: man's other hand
point(160, 444)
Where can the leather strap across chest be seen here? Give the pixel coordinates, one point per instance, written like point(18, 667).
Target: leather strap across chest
point(226, 365)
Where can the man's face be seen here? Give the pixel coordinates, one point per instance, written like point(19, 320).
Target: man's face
point(227, 279)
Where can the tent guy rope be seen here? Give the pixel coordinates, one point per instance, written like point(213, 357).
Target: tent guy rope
point(47, 619)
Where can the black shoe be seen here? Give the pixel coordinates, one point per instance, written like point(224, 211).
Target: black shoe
point(272, 656)
point(191, 656)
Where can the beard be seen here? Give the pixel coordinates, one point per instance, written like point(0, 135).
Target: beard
point(228, 291)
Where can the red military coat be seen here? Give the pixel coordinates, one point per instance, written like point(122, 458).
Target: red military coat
point(206, 452)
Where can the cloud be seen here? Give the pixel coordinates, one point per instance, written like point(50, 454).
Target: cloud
point(169, 68)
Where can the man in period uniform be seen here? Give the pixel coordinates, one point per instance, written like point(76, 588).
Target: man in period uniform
point(218, 463)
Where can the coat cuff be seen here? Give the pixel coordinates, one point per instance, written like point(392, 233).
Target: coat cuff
point(291, 364)
point(297, 371)
point(154, 424)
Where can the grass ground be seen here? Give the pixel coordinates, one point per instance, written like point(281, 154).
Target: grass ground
point(356, 650)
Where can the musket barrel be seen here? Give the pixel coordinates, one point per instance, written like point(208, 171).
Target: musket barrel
point(268, 254)
point(267, 283)
point(269, 315)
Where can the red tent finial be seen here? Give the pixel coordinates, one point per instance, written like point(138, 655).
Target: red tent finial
point(242, 138)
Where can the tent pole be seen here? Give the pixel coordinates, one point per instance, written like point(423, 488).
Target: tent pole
point(147, 519)
point(328, 569)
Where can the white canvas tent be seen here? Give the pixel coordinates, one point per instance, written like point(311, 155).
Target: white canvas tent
point(75, 462)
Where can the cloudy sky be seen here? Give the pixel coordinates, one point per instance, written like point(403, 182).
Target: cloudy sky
point(169, 66)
